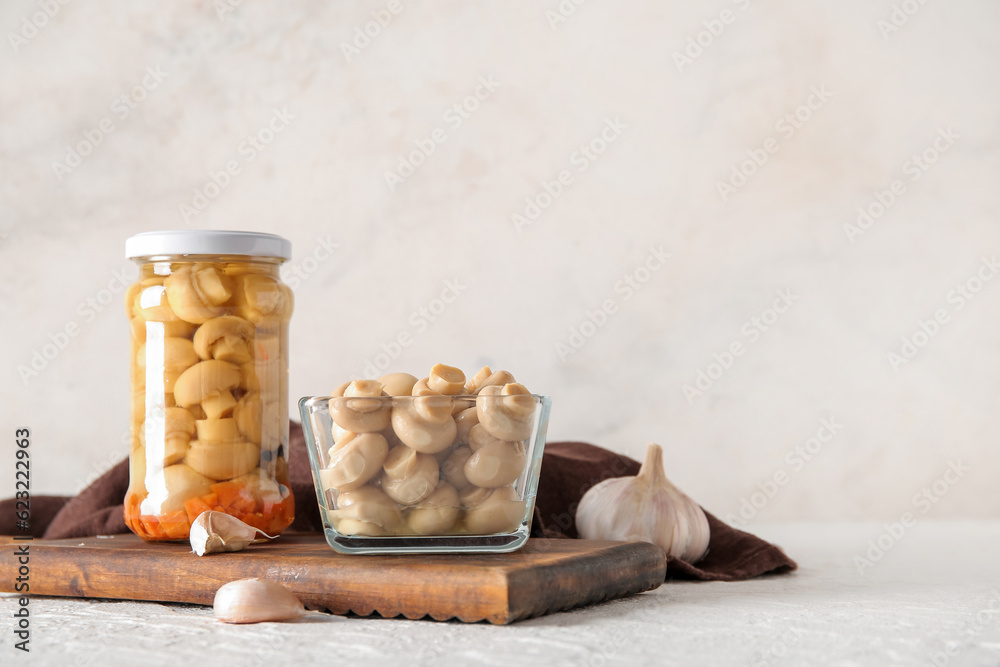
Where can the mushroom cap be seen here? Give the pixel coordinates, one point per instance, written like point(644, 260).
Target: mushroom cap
point(409, 476)
point(178, 420)
point(206, 378)
point(343, 414)
point(226, 337)
point(355, 462)
point(446, 380)
point(175, 329)
point(262, 299)
point(479, 436)
point(196, 292)
point(501, 511)
point(431, 405)
point(476, 381)
point(453, 467)
point(370, 505)
point(222, 460)
point(398, 384)
point(176, 356)
point(137, 471)
point(496, 464)
point(499, 418)
point(169, 489)
point(217, 430)
point(418, 433)
point(152, 305)
point(496, 379)
point(248, 413)
point(437, 513)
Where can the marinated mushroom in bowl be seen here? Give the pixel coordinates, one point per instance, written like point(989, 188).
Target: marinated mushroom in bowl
point(441, 456)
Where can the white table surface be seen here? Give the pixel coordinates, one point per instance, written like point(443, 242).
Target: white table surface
point(932, 599)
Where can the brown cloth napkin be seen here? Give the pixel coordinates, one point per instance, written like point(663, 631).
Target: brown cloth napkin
point(568, 470)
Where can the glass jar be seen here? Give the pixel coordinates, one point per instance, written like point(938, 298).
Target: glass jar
point(209, 317)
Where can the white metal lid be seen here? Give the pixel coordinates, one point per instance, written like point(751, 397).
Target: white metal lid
point(207, 242)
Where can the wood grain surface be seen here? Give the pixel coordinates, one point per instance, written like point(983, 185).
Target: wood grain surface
point(545, 576)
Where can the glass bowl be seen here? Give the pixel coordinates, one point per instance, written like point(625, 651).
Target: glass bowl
point(426, 474)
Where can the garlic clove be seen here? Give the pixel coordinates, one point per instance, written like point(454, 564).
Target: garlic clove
point(214, 532)
point(256, 601)
point(647, 508)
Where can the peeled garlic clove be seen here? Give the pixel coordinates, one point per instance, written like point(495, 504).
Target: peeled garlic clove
point(646, 508)
point(214, 532)
point(256, 601)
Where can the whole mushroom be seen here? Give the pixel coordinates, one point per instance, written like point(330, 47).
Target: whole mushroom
point(226, 338)
point(409, 476)
point(196, 292)
point(354, 461)
point(495, 511)
point(497, 463)
point(205, 379)
point(366, 511)
point(506, 412)
point(416, 432)
point(437, 513)
point(358, 407)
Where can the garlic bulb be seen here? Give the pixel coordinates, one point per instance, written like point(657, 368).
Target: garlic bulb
point(217, 531)
point(645, 508)
point(256, 601)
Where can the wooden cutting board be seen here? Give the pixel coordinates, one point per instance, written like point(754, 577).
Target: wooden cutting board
point(544, 576)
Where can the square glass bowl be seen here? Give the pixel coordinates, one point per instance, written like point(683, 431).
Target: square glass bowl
point(426, 474)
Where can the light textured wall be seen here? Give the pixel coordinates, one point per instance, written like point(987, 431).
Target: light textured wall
point(673, 131)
